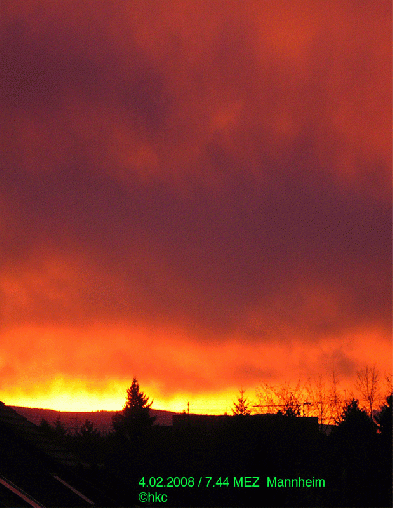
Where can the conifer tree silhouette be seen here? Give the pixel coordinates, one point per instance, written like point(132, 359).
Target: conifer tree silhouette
point(242, 407)
point(135, 420)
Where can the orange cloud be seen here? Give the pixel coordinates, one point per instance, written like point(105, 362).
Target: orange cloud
point(207, 183)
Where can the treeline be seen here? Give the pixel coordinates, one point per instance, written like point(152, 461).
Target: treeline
point(316, 397)
point(354, 460)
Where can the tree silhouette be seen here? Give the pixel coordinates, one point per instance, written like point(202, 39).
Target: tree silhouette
point(134, 420)
point(46, 427)
point(60, 430)
point(242, 408)
point(355, 455)
point(318, 398)
point(384, 419)
point(335, 401)
point(292, 411)
point(286, 397)
point(356, 426)
point(88, 431)
point(368, 385)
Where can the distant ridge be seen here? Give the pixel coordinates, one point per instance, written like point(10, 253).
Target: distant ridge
point(102, 420)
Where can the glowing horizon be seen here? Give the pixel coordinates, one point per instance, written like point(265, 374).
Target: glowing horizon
point(65, 396)
point(90, 403)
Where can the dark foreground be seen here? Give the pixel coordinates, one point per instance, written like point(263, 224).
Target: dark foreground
point(236, 461)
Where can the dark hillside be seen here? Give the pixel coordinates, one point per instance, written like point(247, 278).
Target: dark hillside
point(102, 420)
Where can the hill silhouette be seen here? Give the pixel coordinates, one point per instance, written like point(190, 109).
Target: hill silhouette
point(72, 420)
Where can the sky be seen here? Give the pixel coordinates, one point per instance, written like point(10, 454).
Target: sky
point(194, 193)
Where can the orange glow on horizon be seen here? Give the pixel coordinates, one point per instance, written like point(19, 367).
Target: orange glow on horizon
point(70, 391)
point(73, 397)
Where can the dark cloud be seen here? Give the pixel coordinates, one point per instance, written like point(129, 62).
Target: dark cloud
point(202, 260)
